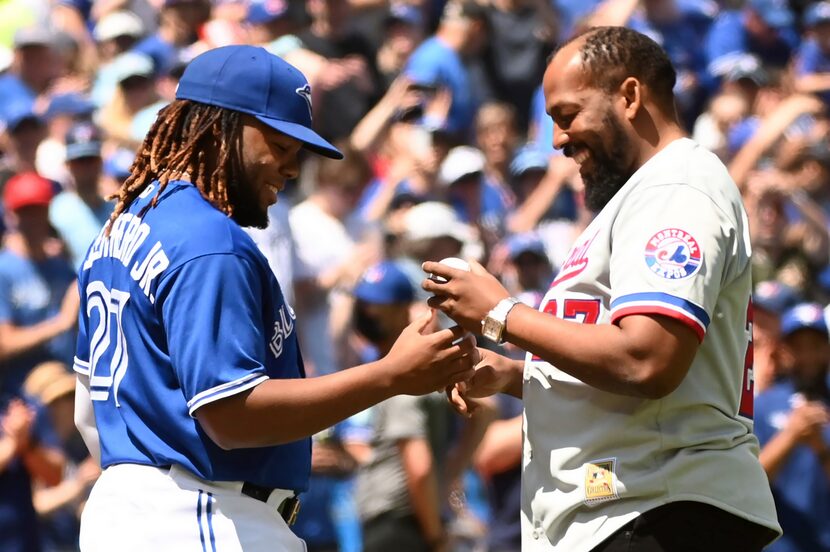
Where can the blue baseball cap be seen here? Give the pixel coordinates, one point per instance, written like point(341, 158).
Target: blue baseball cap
point(805, 316)
point(118, 163)
point(261, 12)
point(775, 13)
point(19, 112)
point(83, 140)
point(774, 297)
point(250, 80)
point(384, 284)
point(817, 13)
point(404, 13)
point(71, 104)
point(528, 242)
point(529, 157)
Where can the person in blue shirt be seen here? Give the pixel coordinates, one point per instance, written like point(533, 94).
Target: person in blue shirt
point(812, 60)
point(38, 298)
point(79, 213)
point(34, 68)
point(179, 22)
point(680, 26)
point(191, 386)
point(764, 28)
point(792, 422)
point(439, 62)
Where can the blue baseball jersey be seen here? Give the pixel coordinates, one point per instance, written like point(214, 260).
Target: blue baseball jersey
point(179, 309)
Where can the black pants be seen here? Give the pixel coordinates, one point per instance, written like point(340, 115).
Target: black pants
point(390, 533)
point(688, 527)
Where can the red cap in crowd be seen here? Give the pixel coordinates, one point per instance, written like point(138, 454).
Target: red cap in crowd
point(26, 190)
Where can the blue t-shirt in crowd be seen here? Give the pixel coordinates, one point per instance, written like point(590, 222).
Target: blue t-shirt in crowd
point(15, 96)
point(179, 308)
point(434, 63)
point(77, 223)
point(811, 60)
point(729, 39)
point(31, 292)
point(801, 489)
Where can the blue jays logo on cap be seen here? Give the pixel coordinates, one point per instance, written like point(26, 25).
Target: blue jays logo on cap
point(305, 93)
point(673, 254)
point(251, 80)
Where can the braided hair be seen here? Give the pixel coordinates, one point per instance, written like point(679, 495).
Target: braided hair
point(188, 138)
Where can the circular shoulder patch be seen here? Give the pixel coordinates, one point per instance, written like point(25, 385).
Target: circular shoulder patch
point(673, 254)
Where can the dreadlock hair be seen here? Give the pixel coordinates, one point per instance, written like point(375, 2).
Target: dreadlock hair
point(612, 54)
point(187, 138)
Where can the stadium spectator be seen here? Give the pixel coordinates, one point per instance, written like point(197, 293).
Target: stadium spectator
point(764, 28)
point(347, 84)
point(333, 249)
point(59, 506)
point(80, 211)
point(34, 68)
point(439, 61)
point(179, 23)
point(792, 421)
point(38, 294)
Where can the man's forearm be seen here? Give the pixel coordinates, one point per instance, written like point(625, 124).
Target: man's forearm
point(17, 340)
point(629, 359)
point(776, 452)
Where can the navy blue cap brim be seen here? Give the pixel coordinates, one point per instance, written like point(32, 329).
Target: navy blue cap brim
point(311, 139)
point(79, 151)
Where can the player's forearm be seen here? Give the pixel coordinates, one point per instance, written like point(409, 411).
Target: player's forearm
point(280, 411)
point(776, 452)
point(628, 361)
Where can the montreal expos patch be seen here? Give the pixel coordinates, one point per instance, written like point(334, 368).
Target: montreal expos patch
point(673, 254)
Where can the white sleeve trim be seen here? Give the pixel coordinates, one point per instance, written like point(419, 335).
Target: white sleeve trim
point(80, 366)
point(224, 390)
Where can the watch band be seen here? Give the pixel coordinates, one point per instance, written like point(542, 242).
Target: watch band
point(495, 321)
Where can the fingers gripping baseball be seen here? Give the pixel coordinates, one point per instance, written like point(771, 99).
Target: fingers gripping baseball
point(423, 363)
point(464, 296)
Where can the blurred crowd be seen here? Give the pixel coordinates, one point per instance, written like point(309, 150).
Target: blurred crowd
point(438, 108)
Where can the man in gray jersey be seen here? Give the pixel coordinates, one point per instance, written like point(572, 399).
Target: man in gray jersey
point(637, 384)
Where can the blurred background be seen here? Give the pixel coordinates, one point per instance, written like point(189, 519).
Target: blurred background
point(438, 108)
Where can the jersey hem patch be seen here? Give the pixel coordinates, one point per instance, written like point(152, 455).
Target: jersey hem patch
point(224, 390)
point(663, 304)
point(601, 481)
point(80, 366)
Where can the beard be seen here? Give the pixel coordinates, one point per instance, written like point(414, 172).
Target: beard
point(609, 173)
point(247, 211)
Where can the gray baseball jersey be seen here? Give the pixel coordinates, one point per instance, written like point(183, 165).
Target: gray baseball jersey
point(673, 241)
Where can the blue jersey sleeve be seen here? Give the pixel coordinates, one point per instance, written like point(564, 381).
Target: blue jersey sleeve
point(212, 311)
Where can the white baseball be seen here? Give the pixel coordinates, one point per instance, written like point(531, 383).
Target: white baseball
point(454, 262)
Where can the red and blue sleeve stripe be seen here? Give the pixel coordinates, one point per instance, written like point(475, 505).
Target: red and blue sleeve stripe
point(663, 304)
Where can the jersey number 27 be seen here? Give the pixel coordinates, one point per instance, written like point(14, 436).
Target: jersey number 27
point(108, 357)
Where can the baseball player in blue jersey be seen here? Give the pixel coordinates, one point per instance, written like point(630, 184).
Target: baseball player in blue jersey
point(191, 386)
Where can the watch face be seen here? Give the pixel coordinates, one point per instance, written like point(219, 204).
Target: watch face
point(491, 329)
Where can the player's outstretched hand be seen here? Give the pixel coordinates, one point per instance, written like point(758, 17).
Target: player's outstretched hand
point(466, 297)
point(493, 374)
point(423, 362)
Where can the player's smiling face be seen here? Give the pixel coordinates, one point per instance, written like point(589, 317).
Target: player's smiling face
point(268, 159)
point(587, 128)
